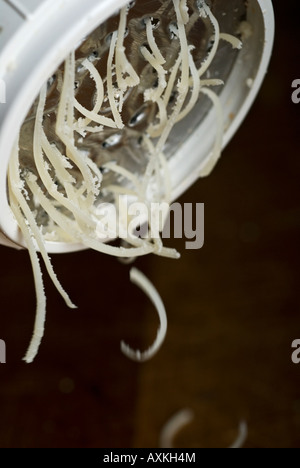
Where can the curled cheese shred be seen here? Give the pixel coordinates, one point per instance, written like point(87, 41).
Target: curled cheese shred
point(142, 282)
point(205, 12)
point(234, 41)
point(175, 425)
point(183, 418)
point(242, 436)
point(92, 116)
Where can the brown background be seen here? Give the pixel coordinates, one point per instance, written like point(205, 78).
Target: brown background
point(234, 310)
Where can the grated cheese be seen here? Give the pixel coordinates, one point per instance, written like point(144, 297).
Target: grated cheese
point(142, 282)
point(242, 437)
point(185, 417)
point(174, 426)
point(71, 201)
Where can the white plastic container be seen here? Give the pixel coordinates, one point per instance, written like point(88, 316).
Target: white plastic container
point(37, 35)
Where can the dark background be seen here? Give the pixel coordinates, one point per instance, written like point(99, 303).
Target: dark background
point(233, 307)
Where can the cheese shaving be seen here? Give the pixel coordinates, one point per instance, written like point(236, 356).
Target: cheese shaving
point(123, 66)
point(111, 93)
point(234, 41)
point(184, 418)
point(205, 12)
point(175, 425)
point(142, 282)
point(242, 437)
point(92, 116)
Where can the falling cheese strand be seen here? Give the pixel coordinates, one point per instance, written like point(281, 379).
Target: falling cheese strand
point(31, 231)
point(184, 418)
point(242, 436)
point(174, 426)
point(142, 282)
point(39, 326)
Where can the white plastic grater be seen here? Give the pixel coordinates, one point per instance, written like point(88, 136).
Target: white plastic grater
point(36, 36)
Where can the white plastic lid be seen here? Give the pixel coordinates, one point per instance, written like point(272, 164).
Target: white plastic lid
point(37, 35)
